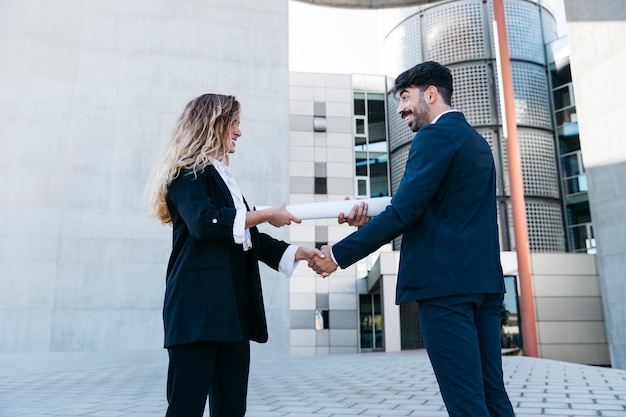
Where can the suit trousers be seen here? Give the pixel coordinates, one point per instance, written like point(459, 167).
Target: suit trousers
point(462, 337)
point(218, 370)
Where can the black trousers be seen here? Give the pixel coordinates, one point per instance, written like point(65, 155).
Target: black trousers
point(462, 338)
point(218, 370)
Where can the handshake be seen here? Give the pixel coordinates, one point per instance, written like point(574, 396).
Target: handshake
point(320, 260)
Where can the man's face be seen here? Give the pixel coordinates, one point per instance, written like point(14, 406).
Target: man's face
point(413, 107)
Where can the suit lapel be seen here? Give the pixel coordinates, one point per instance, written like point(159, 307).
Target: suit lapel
point(222, 185)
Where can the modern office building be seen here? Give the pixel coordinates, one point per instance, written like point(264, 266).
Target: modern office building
point(337, 148)
point(572, 169)
point(459, 35)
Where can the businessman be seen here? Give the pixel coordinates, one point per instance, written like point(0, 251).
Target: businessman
point(445, 208)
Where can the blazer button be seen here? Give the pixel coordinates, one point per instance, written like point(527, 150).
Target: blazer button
point(214, 221)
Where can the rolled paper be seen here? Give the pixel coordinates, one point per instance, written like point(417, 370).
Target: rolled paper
point(331, 209)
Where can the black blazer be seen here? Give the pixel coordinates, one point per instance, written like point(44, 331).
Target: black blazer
point(445, 208)
point(200, 300)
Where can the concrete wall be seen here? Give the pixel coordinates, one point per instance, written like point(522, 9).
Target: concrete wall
point(568, 308)
point(384, 276)
point(597, 34)
point(90, 92)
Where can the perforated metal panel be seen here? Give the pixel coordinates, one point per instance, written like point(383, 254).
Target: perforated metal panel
point(472, 94)
point(399, 159)
point(402, 47)
point(530, 89)
point(539, 165)
point(531, 95)
point(523, 31)
point(454, 32)
point(392, 16)
point(393, 48)
point(545, 226)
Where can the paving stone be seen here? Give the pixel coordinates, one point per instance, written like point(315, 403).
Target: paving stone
point(372, 384)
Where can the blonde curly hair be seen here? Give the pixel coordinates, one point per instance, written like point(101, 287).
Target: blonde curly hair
point(202, 130)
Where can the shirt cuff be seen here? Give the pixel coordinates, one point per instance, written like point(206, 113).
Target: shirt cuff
point(332, 255)
point(239, 227)
point(288, 261)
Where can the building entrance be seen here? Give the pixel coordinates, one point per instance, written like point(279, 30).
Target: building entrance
point(371, 322)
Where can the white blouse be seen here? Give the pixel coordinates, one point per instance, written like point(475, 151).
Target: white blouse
point(241, 235)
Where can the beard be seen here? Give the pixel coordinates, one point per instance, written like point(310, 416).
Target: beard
point(419, 114)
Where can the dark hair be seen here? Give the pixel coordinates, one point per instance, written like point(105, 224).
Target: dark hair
point(424, 75)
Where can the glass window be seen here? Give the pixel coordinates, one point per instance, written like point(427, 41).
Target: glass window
point(562, 97)
point(581, 238)
point(361, 185)
point(321, 319)
point(370, 319)
point(320, 186)
point(376, 121)
point(359, 104)
point(359, 126)
point(509, 318)
point(370, 141)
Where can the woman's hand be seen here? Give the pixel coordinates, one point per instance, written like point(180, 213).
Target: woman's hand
point(279, 216)
point(307, 254)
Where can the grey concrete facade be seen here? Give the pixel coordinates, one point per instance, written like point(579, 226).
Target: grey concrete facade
point(90, 92)
point(321, 148)
point(597, 33)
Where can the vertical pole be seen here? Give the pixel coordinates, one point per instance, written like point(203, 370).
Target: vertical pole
point(527, 304)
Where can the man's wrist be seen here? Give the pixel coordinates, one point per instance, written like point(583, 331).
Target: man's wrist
point(332, 255)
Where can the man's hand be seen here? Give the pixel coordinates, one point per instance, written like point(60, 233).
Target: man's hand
point(357, 215)
point(324, 265)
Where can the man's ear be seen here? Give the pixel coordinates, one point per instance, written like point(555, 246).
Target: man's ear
point(431, 94)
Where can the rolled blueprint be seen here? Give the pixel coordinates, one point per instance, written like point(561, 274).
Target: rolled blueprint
point(331, 209)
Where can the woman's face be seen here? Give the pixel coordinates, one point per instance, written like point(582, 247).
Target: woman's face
point(235, 133)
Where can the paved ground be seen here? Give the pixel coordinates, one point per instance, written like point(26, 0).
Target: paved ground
point(374, 384)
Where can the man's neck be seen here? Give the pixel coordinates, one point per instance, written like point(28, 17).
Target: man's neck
point(437, 111)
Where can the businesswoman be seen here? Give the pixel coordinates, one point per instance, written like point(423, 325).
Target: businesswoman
point(213, 302)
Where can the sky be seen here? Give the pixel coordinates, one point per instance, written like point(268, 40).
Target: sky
point(333, 40)
point(344, 41)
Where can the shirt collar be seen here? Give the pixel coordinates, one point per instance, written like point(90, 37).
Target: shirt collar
point(441, 114)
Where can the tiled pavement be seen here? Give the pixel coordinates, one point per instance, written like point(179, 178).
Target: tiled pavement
point(373, 384)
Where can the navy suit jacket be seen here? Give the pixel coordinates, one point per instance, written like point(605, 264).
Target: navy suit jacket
point(200, 300)
point(445, 208)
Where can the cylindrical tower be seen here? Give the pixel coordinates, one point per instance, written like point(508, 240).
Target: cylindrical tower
point(459, 34)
